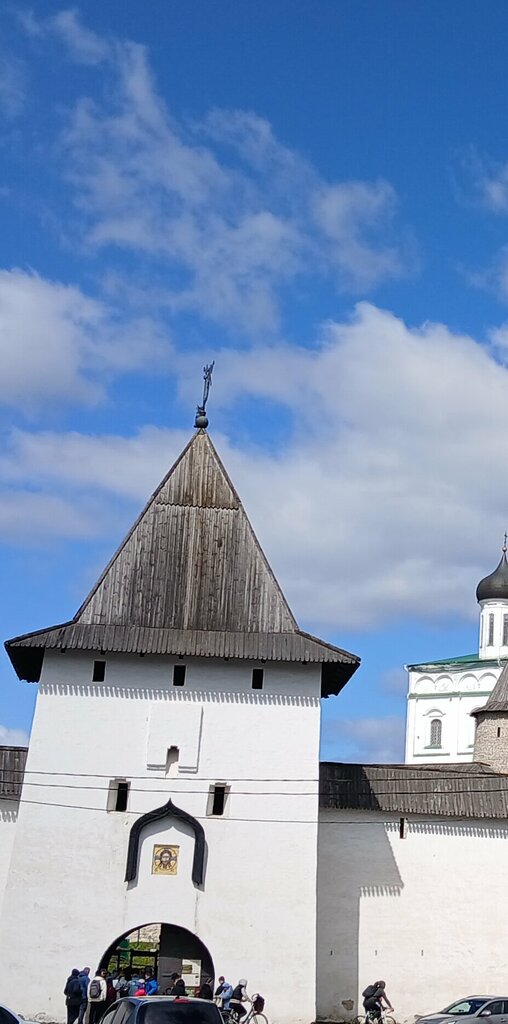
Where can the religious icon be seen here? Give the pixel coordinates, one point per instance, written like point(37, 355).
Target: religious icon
point(165, 860)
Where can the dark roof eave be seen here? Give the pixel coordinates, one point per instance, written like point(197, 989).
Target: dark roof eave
point(26, 652)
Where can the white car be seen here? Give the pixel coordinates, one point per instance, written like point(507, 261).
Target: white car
point(9, 1017)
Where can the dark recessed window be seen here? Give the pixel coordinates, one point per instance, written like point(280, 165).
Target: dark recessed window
point(436, 729)
point(498, 731)
point(122, 795)
point(505, 630)
point(178, 675)
point(491, 631)
point(118, 795)
point(99, 672)
point(257, 678)
point(218, 800)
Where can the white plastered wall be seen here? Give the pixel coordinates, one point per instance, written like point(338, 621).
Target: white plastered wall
point(426, 913)
point(450, 696)
point(66, 900)
point(8, 819)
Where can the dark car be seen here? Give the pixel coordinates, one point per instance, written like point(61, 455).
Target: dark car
point(162, 1010)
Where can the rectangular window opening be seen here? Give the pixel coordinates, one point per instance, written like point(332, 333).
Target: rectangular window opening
point(178, 675)
point(172, 758)
point(217, 800)
point(491, 630)
point(257, 678)
point(505, 630)
point(118, 795)
point(498, 731)
point(99, 672)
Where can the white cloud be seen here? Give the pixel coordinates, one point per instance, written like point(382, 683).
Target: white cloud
point(58, 344)
point(389, 497)
point(224, 209)
point(84, 46)
point(349, 215)
point(12, 86)
point(13, 737)
point(377, 740)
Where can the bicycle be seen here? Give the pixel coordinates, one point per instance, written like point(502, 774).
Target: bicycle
point(252, 1017)
point(369, 1017)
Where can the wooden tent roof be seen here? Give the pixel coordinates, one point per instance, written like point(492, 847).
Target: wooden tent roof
point(190, 578)
point(498, 698)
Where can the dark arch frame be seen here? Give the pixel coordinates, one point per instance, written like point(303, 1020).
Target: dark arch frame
point(168, 810)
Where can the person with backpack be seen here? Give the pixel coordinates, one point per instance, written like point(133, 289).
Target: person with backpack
point(373, 998)
point(239, 997)
point(97, 992)
point(73, 996)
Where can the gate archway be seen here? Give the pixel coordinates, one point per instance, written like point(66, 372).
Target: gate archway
point(165, 948)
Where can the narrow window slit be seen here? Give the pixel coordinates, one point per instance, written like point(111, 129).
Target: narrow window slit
point(118, 795)
point(99, 672)
point(257, 678)
point(178, 675)
point(491, 630)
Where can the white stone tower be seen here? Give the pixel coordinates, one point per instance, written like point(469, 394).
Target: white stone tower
point(180, 710)
point(491, 735)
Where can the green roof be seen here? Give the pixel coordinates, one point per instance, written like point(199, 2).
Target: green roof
point(460, 662)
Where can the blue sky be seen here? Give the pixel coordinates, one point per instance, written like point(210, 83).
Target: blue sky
point(315, 195)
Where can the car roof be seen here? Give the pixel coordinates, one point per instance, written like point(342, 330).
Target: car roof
point(172, 999)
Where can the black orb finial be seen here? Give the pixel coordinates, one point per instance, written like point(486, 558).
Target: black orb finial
point(201, 421)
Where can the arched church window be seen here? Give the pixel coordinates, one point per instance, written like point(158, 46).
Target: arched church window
point(505, 630)
point(436, 730)
point(491, 630)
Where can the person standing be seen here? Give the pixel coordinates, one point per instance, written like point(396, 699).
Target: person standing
point(73, 995)
point(177, 985)
point(84, 980)
point(223, 993)
point(97, 992)
point(206, 991)
point(151, 983)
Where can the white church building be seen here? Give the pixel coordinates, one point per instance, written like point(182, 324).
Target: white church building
point(442, 694)
point(173, 780)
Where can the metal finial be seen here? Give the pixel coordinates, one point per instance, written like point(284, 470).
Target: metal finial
point(201, 421)
point(504, 548)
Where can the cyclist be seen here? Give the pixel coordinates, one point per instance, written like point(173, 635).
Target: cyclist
point(373, 998)
point(238, 998)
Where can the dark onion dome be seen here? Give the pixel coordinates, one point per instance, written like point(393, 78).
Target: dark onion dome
point(495, 586)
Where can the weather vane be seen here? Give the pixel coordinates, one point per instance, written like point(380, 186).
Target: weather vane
point(201, 418)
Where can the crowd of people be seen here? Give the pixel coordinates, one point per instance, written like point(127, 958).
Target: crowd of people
point(90, 997)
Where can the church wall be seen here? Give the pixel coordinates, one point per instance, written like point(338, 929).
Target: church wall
point(66, 899)
point(425, 913)
point(450, 697)
point(8, 818)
